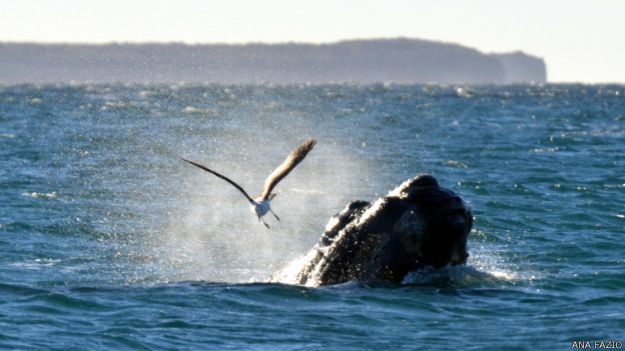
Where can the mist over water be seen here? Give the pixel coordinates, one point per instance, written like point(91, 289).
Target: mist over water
point(110, 240)
point(203, 228)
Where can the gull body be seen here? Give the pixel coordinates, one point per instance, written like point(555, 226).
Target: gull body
point(261, 205)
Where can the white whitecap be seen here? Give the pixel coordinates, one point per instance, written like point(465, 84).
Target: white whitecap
point(455, 274)
point(37, 195)
point(37, 264)
point(196, 110)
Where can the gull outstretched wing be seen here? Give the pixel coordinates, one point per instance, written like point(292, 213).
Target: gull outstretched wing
point(296, 156)
point(222, 177)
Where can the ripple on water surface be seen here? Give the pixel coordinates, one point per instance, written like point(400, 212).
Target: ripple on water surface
point(108, 241)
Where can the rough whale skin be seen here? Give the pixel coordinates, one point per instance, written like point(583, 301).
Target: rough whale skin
point(418, 224)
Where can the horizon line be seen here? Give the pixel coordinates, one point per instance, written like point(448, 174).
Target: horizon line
point(572, 82)
point(257, 42)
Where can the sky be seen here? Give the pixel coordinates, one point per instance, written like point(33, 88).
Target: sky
point(580, 40)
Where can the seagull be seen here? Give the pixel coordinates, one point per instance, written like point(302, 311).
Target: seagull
point(261, 205)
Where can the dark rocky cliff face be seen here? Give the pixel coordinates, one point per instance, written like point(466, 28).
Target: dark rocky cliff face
point(359, 61)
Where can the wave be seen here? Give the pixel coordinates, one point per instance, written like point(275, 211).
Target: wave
point(38, 195)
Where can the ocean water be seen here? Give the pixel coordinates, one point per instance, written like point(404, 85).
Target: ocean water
point(109, 241)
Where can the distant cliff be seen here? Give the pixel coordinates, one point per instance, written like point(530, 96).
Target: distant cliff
point(359, 61)
point(517, 67)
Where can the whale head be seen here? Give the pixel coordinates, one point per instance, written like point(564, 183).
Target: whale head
point(418, 224)
point(434, 229)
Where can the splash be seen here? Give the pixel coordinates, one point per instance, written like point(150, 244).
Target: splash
point(478, 271)
point(464, 275)
point(207, 232)
point(289, 274)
